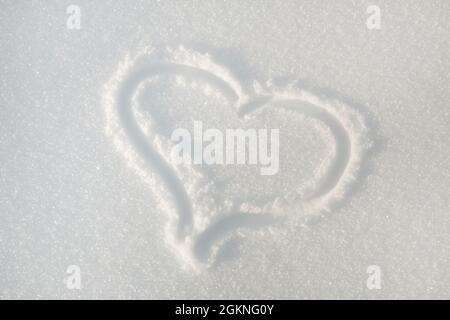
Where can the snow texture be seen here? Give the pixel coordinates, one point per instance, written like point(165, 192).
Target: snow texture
point(86, 177)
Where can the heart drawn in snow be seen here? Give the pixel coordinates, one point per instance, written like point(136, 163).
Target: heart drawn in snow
point(199, 218)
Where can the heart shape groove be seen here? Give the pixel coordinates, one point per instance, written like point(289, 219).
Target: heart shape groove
point(199, 222)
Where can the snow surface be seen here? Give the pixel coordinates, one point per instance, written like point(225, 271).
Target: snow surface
point(86, 178)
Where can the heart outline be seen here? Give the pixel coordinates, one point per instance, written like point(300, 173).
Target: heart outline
point(198, 247)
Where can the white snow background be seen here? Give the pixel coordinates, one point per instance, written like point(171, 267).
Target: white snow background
point(67, 196)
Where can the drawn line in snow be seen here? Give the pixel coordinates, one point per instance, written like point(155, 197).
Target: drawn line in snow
point(196, 230)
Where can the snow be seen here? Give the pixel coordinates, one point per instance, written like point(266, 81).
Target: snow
point(86, 177)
